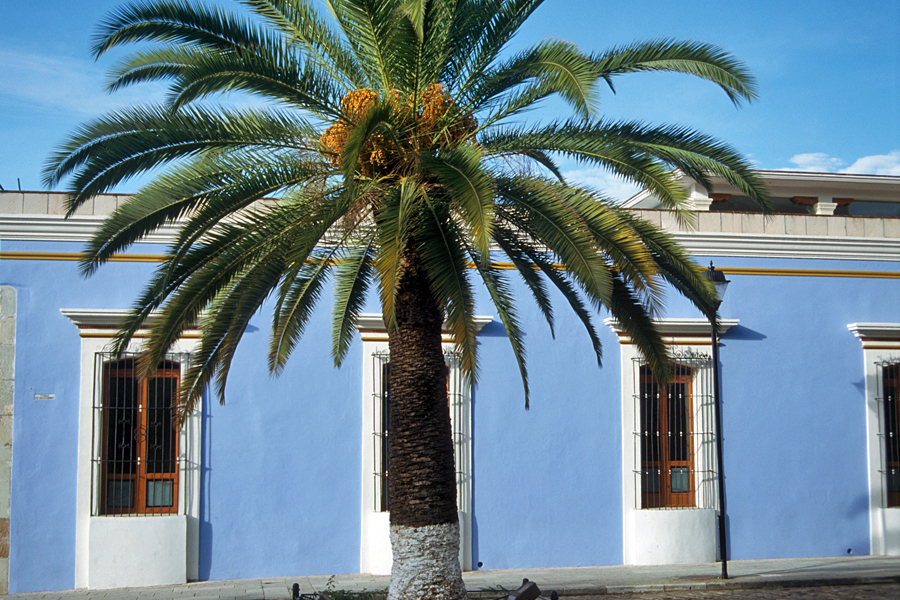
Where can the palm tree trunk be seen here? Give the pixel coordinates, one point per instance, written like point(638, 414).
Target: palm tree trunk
point(422, 482)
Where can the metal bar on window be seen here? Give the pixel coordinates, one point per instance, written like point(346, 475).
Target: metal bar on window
point(674, 447)
point(887, 378)
point(456, 404)
point(137, 457)
point(380, 428)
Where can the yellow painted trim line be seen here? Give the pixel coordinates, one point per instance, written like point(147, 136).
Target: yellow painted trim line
point(72, 256)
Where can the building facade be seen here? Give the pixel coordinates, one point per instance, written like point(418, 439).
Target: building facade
point(607, 467)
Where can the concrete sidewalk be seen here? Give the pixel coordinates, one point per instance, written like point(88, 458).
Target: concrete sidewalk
point(575, 581)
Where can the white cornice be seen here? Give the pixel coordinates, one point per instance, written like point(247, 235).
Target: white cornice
point(679, 328)
point(860, 187)
point(752, 245)
point(698, 243)
point(105, 320)
point(56, 228)
point(878, 188)
point(374, 322)
point(876, 331)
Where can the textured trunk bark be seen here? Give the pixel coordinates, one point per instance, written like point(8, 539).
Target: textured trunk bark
point(422, 482)
point(426, 562)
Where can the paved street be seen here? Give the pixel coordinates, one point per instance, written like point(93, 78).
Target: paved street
point(832, 578)
point(888, 591)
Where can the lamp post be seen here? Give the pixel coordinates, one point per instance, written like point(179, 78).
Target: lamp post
point(718, 280)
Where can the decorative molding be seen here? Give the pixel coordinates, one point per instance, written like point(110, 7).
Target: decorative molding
point(56, 228)
point(699, 243)
point(678, 331)
point(74, 256)
point(761, 245)
point(371, 327)
point(805, 200)
point(71, 256)
point(873, 336)
point(102, 322)
point(784, 184)
point(810, 273)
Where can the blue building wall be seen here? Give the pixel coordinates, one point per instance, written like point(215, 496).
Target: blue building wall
point(547, 481)
point(281, 462)
point(794, 408)
point(42, 504)
point(281, 467)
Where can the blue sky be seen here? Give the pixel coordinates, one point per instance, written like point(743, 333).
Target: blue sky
point(828, 74)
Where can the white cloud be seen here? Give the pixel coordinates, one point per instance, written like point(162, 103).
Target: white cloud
point(878, 164)
point(603, 182)
point(816, 162)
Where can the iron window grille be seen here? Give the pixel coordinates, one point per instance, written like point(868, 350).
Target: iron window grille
point(381, 400)
point(887, 377)
point(137, 455)
point(674, 435)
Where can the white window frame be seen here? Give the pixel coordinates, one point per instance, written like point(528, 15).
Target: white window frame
point(880, 343)
point(667, 535)
point(375, 545)
point(114, 551)
point(102, 468)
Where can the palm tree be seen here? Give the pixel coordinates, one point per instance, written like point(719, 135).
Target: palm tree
point(391, 134)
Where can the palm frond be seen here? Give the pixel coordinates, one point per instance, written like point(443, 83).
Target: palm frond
point(509, 242)
point(227, 319)
point(530, 262)
point(136, 140)
point(205, 190)
point(297, 297)
point(593, 143)
point(426, 176)
point(441, 246)
point(462, 174)
point(275, 76)
point(637, 323)
point(674, 263)
point(351, 282)
point(706, 61)
point(175, 22)
point(556, 67)
point(547, 218)
point(394, 219)
point(310, 262)
point(482, 32)
point(156, 64)
point(305, 29)
point(502, 298)
point(369, 26)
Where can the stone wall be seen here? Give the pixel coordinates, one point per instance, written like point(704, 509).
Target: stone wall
point(7, 379)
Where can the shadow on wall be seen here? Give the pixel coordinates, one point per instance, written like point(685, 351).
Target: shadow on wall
point(739, 332)
point(206, 532)
point(493, 329)
point(473, 543)
point(860, 506)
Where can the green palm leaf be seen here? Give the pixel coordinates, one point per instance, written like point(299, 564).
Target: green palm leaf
point(387, 148)
point(706, 61)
